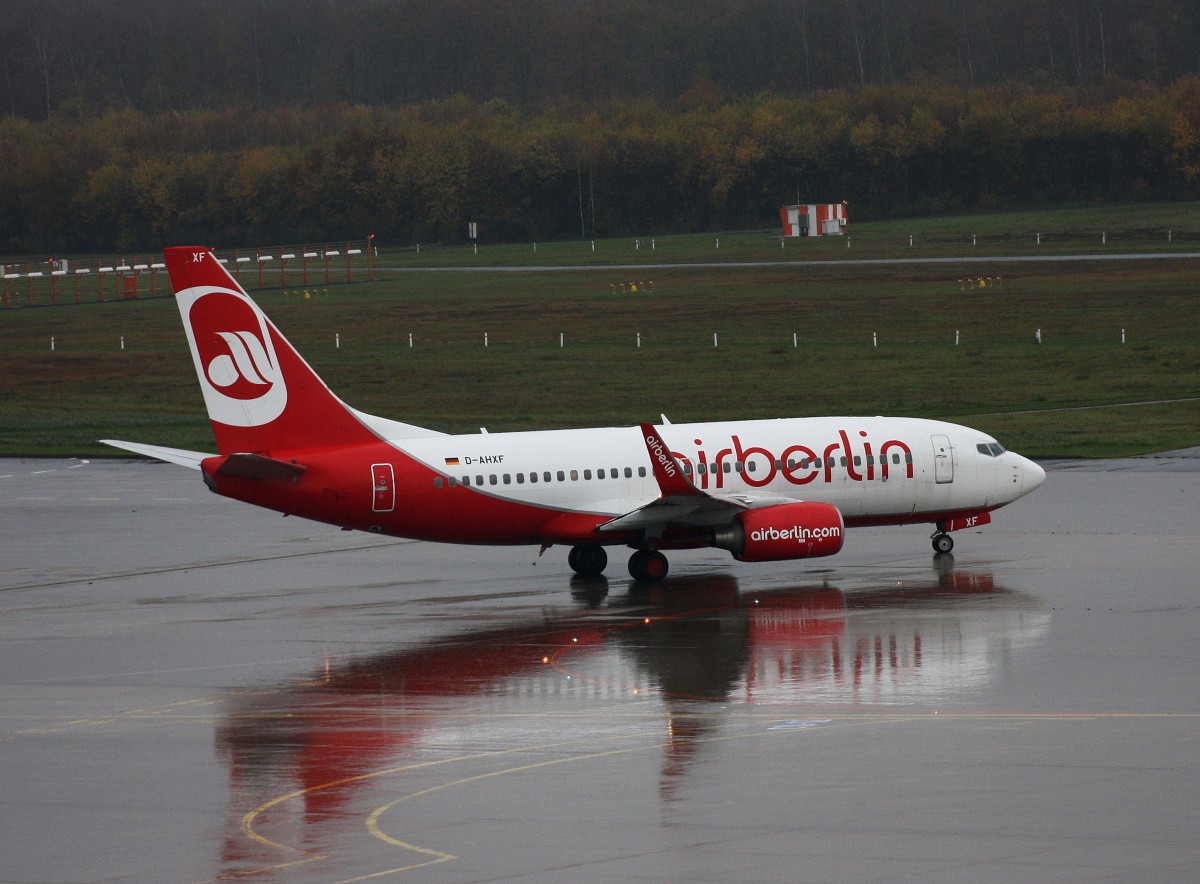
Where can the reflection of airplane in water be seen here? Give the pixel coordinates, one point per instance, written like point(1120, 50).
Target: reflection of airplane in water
point(699, 647)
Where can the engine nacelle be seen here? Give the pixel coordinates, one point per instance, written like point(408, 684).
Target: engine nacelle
point(784, 531)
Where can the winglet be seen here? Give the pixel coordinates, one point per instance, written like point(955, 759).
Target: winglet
point(668, 471)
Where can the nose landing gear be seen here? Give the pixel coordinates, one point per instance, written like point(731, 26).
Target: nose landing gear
point(943, 543)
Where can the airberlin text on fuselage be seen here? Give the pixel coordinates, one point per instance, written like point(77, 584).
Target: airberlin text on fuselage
point(802, 464)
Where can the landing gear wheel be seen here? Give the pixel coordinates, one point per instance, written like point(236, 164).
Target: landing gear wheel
point(649, 565)
point(588, 560)
point(942, 543)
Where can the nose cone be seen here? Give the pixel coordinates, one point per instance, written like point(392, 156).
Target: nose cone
point(1032, 475)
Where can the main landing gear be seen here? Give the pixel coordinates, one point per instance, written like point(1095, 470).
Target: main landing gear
point(589, 560)
point(648, 564)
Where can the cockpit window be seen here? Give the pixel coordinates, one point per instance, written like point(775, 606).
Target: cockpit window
point(991, 449)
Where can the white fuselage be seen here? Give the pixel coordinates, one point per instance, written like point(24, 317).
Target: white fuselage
point(872, 468)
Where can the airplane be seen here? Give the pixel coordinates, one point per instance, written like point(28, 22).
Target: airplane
point(763, 490)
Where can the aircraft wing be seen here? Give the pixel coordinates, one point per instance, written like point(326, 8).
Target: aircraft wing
point(183, 457)
point(680, 501)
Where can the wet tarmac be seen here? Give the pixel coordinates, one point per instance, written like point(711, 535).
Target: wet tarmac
point(192, 689)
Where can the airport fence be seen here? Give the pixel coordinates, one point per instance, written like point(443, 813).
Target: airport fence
point(55, 281)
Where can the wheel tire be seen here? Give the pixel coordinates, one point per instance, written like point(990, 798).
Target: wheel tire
point(589, 560)
point(648, 565)
point(656, 566)
point(942, 543)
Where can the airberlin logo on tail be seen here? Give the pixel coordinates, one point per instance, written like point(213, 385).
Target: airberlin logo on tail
point(246, 360)
point(235, 358)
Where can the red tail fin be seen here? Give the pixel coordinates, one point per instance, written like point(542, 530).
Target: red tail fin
point(261, 395)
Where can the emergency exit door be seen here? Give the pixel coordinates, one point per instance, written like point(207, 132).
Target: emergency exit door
point(383, 482)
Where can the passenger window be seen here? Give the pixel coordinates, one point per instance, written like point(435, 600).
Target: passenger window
point(750, 466)
point(520, 478)
point(687, 467)
point(613, 473)
point(466, 480)
point(546, 476)
point(492, 479)
point(437, 481)
point(642, 472)
point(725, 466)
point(587, 474)
point(450, 481)
point(843, 461)
point(507, 479)
point(739, 467)
point(479, 480)
point(574, 475)
point(628, 472)
point(857, 460)
point(895, 458)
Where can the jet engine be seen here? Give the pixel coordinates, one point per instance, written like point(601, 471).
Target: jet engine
point(783, 531)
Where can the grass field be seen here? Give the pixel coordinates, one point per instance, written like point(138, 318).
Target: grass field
point(792, 340)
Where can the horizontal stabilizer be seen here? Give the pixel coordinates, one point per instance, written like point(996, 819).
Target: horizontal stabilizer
point(183, 457)
point(256, 466)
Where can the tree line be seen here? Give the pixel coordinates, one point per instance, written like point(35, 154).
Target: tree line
point(130, 179)
point(84, 57)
